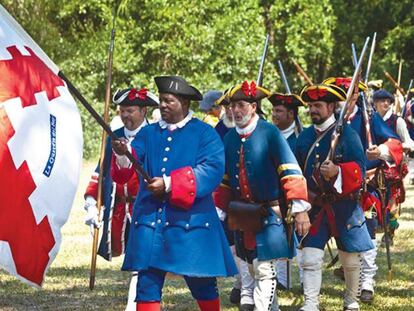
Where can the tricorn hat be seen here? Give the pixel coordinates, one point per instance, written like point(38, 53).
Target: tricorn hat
point(291, 101)
point(323, 92)
point(134, 97)
point(344, 83)
point(249, 92)
point(224, 99)
point(177, 86)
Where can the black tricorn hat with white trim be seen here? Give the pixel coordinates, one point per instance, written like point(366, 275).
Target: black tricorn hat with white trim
point(134, 97)
point(177, 86)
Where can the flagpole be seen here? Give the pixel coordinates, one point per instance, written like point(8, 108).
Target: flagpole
point(103, 148)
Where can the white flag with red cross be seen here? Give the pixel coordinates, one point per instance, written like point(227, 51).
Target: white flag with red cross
point(40, 154)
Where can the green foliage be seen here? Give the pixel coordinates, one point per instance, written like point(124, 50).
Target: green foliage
point(214, 44)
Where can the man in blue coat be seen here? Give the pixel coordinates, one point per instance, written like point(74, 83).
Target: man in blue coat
point(118, 198)
point(334, 186)
point(175, 227)
point(261, 180)
point(284, 114)
point(385, 151)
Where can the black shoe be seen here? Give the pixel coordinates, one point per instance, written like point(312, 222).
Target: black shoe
point(235, 296)
point(339, 273)
point(246, 307)
point(350, 309)
point(367, 296)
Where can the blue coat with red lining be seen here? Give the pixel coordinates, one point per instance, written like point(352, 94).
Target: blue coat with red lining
point(350, 228)
point(180, 233)
point(272, 174)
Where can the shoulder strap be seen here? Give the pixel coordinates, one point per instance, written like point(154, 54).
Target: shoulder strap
point(314, 145)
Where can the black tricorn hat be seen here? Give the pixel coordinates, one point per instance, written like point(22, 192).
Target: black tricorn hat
point(134, 97)
point(323, 92)
point(177, 86)
point(291, 101)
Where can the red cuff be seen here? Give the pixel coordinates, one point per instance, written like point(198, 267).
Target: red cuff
point(92, 188)
point(370, 201)
point(295, 188)
point(351, 177)
point(183, 187)
point(396, 150)
point(222, 197)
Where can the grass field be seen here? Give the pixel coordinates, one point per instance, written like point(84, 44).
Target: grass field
point(66, 284)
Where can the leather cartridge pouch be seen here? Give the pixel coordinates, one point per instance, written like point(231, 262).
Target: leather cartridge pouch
point(246, 216)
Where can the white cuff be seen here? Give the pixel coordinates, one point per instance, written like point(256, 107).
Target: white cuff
point(90, 200)
point(384, 153)
point(299, 206)
point(221, 214)
point(121, 160)
point(167, 182)
point(338, 182)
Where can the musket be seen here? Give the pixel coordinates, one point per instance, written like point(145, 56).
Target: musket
point(371, 55)
point(286, 83)
point(102, 157)
point(366, 108)
point(394, 83)
point(397, 99)
point(259, 80)
point(302, 73)
point(340, 122)
point(383, 192)
point(406, 98)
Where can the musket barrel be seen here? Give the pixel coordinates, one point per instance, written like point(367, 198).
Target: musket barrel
point(371, 55)
point(282, 73)
point(259, 80)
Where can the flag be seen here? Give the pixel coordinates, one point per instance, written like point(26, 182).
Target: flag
point(40, 154)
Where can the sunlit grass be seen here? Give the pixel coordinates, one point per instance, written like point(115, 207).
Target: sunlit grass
point(66, 286)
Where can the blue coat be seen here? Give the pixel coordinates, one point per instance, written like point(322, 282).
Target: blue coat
point(349, 217)
point(292, 141)
point(268, 159)
point(185, 240)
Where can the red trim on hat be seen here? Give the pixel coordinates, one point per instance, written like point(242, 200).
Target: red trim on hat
point(183, 187)
point(343, 82)
point(317, 93)
point(141, 94)
point(249, 89)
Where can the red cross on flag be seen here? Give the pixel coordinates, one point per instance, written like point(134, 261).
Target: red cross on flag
point(40, 154)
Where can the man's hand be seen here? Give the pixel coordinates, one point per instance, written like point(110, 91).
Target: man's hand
point(157, 186)
point(120, 146)
point(91, 218)
point(373, 153)
point(302, 223)
point(329, 170)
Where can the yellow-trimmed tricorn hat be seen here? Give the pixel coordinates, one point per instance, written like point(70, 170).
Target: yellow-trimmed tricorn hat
point(224, 99)
point(323, 92)
point(249, 92)
point(344, 83)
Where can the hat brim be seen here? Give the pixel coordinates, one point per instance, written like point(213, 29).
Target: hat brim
point(237, 94)
point(177, 86)
point(288, 100)
point(323, 92)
